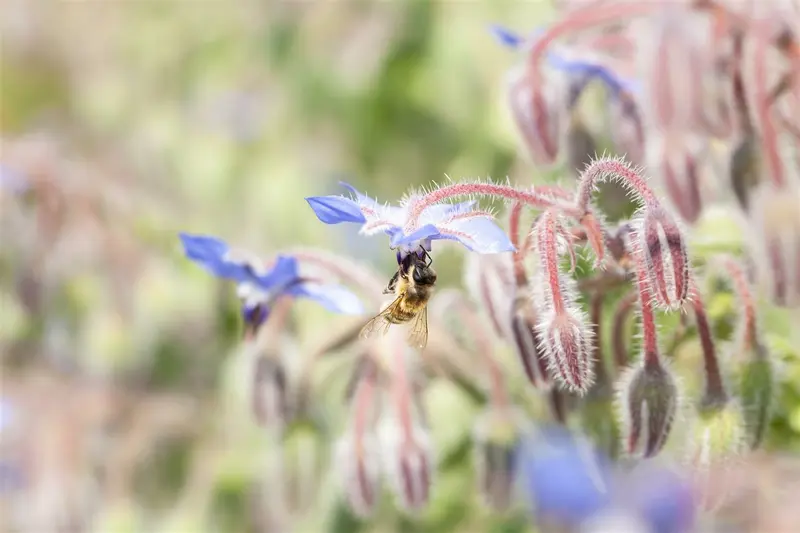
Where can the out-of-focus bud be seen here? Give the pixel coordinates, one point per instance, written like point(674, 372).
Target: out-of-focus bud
point(756, 390)
point(358, 464)
point(745, 167)
point(270, 397)
point(675, 162)
point(663, 247)
point(305, 454)
point(409, 465)
point(648, 399)
point(566, 341)
point(526, 340)
point(676, 66)
point(775, 242)
point(581, 146)
point(538, 113)
point(626, 127)
point(716, 443)
point(497, 435)
point(490, 281)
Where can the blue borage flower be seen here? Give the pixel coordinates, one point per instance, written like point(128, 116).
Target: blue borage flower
point(474, 229)
point(570, 483)
point(586, 70)
point(258, 286)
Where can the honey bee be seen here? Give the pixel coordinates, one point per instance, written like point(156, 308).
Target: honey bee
point(412, 285)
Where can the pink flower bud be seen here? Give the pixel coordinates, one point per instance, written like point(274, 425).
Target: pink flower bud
point(537, 112)
point(662, 246)
point(647, 402)
point(626, 129)
point(566, 341)
point(497, 434)
point(358, 463)
point(409, 465)
point(270, 402)
point(775, 242)
point(676, 163)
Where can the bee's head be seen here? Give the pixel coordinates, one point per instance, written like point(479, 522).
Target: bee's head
point(423, 275)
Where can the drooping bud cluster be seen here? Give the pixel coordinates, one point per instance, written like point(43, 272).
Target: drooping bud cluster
point(563, 331)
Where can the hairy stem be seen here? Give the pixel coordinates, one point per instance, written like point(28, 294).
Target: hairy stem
point(546, 241)
point(747, 304)
point(618, 333)
point(615, 169)
point(401, 389)
point(650, 339)
point(519, 254)
point(532, 198)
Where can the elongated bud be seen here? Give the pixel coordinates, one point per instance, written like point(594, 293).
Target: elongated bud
point(527, 343)
point(675, 161)
point(566, 342)
point(716, 443)
point(409, 467)
point(745, 168)
point(358, 463)
point(662, 245)
point(627, 129)
point(497, 434)
point(775, 242)
point(756, 391)
point(581, 146)
point(537, 112)
point(648, 399)
point(490, 281)
point(270, 401)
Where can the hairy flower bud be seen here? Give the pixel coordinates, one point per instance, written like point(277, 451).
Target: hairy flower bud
point(716, 441)
point(756, 390)
point(745, 169)
point(269, 400)
point(527, 343)
point(409, 466)
point(566, 341)
point(538, 113)
point(648, 399)
point(662, 245)
point(358, 463)
point(775, 242)
point(675, 161)
point(497, 434)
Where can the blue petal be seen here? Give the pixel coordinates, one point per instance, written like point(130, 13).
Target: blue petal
point(210, 253)
point(484, 236)
point(334, 298)
point(505, 36)
point(282, 274)
point(336, 209)
point(428, 231)
point(663, 498)
point(566, 483)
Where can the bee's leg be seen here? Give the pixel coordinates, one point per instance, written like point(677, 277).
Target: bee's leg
point(392, 283)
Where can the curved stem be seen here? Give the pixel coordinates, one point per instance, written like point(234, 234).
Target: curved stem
point(363, 403)
point(615, 169)
point(532, 198)
point(746, 301)
point(715, 389)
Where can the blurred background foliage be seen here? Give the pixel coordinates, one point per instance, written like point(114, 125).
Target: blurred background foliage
point(135, 120)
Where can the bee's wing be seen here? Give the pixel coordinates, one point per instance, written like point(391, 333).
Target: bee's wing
point(418, 337)
point(379, 325)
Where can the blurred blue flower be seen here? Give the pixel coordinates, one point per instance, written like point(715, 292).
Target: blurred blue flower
point(259, 287)
point(13, 181)
point(586, 70)
point(459, 222)
point(569, 483)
